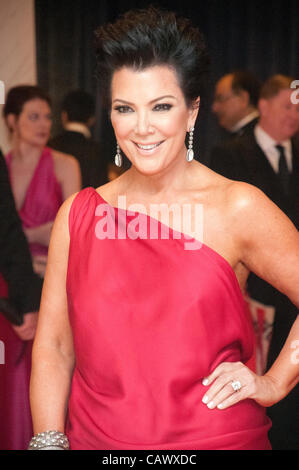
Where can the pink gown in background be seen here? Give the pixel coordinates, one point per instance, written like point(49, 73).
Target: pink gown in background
point(42, 201)
point(150, 320)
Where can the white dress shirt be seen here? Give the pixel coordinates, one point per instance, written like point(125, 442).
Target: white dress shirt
point(268, 145)
point(245, 120)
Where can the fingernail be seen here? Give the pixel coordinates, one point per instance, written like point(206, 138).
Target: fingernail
point(205, 399)
point(210, 405)
point(220, 406)
point(205, 381)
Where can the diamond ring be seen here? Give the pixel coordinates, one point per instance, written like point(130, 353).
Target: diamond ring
point(236, 385)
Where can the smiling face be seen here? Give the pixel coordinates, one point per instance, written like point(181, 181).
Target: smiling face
point(33, 125)
point(150, 117)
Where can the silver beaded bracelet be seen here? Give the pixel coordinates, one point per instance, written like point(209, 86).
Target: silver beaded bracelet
point(49, 440)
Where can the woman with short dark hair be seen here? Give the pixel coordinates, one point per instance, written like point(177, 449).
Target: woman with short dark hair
point(143, 333)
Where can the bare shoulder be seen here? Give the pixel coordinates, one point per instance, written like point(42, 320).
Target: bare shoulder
point(64, 162)
point(243, 195)
point(257, 221)
point(68, 172)
point(267, 240)
point(248, 203)
point(62, 216)
point(254, 215)
point(62, 158)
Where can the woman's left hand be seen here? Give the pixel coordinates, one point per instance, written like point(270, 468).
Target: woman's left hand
point(232, 382)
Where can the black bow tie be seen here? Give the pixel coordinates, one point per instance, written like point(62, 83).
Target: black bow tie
point(283, 170)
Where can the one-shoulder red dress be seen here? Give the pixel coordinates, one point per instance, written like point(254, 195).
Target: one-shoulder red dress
point(150, 320)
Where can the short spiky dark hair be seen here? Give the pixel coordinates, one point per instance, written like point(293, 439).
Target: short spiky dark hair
point(143, 38)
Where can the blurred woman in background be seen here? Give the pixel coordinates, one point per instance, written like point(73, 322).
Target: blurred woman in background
point(41, 178)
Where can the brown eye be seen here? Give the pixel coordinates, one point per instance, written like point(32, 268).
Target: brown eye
point(162, 107)
point(123, 109)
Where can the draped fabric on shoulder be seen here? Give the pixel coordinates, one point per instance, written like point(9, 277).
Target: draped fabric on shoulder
point(42, 201)
point(150, 320)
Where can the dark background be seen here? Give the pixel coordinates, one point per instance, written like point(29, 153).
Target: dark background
point(260, 36)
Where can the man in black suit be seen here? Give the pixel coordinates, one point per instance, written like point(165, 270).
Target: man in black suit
point(235, 106)
point(269, 159)
point(24, 286)
point(78, 116)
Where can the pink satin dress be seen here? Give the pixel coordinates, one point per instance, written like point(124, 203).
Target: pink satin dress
point(42, 201)
point(150, 320)
point(43, 197)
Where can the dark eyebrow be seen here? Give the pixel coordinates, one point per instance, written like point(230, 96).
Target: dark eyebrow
point(151, 102)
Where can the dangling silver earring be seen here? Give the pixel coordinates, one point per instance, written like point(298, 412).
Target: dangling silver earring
point(118, 159)
point(190, 153)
